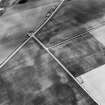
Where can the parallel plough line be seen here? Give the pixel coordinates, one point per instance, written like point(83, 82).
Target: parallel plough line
point(82, 35)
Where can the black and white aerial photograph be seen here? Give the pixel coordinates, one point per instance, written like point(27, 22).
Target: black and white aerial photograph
point(52, 52)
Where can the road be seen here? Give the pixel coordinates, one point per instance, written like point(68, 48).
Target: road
point(17, 21)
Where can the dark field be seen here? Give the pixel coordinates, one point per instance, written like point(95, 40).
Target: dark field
point(81, 55)
point(33, 77)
